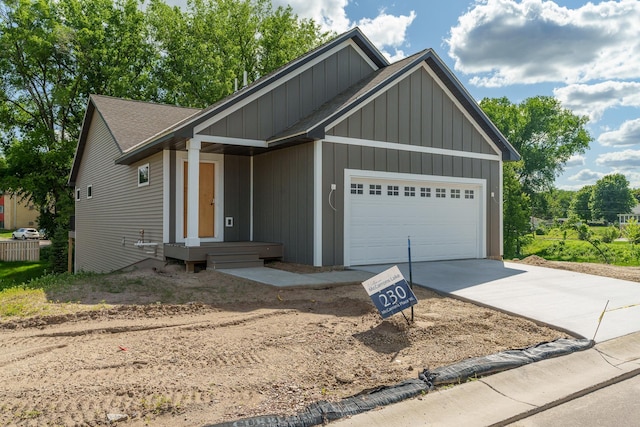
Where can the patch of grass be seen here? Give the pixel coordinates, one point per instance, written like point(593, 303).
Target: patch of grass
point(19, 272)
point(5, 234)
point(619, 252)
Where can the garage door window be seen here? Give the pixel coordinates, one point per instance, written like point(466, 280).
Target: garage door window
point(409, 191)
point(375, 189)
point(393, 190)
point(357, 188)
point(441, 193)
point(468, 194)
point(425, 192)
point(455, 193)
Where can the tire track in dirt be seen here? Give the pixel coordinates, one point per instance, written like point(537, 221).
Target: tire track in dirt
point(137, 380)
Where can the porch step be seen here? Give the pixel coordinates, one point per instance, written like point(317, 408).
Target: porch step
point(218, 261)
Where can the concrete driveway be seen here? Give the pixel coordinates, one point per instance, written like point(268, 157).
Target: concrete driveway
point(567, 300)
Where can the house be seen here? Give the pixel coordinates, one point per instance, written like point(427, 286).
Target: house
point(623, 219)
point(333, 159)
point(16, 212)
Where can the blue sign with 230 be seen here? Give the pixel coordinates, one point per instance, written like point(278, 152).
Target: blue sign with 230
point(390, 292)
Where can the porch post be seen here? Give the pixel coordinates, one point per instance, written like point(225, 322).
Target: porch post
point(193, 184)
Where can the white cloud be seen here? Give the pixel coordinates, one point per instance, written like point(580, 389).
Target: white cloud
point(620, 160)
point(593, 100)
point(628, 134)
point(387, 32)
point(534, 41)
point(575, 160)
point(586, 175)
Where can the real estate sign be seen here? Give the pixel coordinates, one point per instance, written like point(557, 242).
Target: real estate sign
point(390, 292)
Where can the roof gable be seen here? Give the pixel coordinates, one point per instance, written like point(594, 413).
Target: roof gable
point(129, 122)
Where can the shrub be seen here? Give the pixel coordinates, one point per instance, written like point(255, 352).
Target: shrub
point(610, 234)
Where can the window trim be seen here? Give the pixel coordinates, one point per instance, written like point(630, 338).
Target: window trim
point(140, 169)
point(77, 194)
point(90, 191)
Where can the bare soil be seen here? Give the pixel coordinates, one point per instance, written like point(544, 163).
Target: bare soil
point(168, 348)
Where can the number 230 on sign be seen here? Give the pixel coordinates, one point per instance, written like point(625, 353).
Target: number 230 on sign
point(390, 292)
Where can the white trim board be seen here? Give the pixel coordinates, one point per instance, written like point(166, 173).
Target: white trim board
point(410, 148)
point(317, 203)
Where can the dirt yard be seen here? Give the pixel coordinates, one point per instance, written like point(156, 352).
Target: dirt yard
point(166, 348)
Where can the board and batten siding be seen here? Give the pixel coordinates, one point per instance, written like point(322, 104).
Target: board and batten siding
point(237, 198)
point(109, 224)
point(298, 97)
point(283, 201)
point(414, 111)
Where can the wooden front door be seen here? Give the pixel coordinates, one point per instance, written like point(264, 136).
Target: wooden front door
point(206, 201)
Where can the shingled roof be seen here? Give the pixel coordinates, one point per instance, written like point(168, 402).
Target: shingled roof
point(129, 122)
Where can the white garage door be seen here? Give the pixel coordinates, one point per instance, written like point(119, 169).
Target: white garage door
point(444, 220)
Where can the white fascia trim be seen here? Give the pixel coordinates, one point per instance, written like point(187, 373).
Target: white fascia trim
point(317, 203)
point(500, 209)
point(288, 76)
point(166, 191)
point(251, 198)
point(410, 148)
point(218, 159)
point(349, 174)
point(442, 86)
point(231, 141)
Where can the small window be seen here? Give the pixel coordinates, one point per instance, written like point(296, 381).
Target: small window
point(143, 175)
point(468, 194)
point(441, 193)
point(410, 191)
point(375, 189)
point(2, 210)
point(455, 193)
point(77, 194)
point(357, 188)
point(393, 190)
point(425, 192)
point(89, 191)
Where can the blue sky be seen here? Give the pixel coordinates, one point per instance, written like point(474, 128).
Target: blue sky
point(585, 54)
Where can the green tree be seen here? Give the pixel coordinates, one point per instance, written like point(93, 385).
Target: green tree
point(208, 48)
point(545, 134)
point(555, 203)
point(632, 231)
point(516, 222)
point(611, 196)
point(636, 194)
point(580, 203)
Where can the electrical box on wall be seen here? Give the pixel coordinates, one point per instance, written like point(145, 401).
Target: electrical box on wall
point(228, 221)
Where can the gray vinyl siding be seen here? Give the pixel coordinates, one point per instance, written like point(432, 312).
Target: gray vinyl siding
point(295, 99)
point(338, 157)
point(118, 210)
point(283, 201)
point(237, 197)
point(414, 111)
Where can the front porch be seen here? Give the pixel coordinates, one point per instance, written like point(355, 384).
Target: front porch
point(231, 252)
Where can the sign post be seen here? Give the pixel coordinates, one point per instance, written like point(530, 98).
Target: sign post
point(390, 292)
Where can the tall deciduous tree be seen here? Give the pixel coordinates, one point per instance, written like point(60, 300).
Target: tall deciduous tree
point(545, 134)
point(611, 196)
point(580, 203)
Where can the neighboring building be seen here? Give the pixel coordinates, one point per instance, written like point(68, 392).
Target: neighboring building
point(623, 219)
point(337, 158)
point(16, 213)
